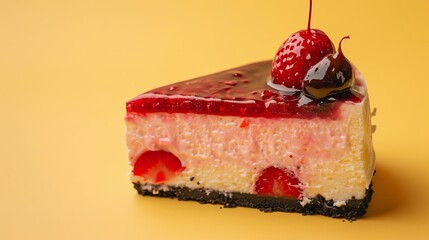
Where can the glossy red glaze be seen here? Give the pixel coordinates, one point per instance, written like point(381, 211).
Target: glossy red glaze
point(241, 91)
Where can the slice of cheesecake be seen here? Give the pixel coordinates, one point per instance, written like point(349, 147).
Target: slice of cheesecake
point(230, 138)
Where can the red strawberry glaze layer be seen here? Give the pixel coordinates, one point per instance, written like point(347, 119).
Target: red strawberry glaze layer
point(241, 91)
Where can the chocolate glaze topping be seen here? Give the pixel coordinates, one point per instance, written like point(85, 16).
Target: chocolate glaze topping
point(332, 75)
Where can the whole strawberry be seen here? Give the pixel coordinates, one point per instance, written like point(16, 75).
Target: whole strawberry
point(297, 54)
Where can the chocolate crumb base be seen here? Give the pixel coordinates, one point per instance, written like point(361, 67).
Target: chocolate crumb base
point(353, 209)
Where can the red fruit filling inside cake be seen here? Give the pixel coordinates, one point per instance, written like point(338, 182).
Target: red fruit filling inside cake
point(277, 182)
point(157, 166)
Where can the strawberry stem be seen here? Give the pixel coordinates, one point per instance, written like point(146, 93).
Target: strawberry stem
point(339, 45)
point(309, 17)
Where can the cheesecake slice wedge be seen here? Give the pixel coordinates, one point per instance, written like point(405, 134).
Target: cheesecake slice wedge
point(230, 138)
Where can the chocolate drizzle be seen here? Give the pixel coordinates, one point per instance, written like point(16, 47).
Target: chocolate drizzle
point(332, 75)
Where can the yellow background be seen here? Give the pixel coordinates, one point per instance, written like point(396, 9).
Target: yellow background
point(68, 67)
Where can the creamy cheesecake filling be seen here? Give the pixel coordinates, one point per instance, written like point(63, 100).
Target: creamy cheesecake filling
point(332, 158)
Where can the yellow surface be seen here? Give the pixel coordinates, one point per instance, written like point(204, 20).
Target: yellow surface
point(67, 68)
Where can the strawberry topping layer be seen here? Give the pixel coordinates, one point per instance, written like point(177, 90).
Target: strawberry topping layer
point(242, 91)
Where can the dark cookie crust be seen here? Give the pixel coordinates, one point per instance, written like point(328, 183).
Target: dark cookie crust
point(353, 209)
